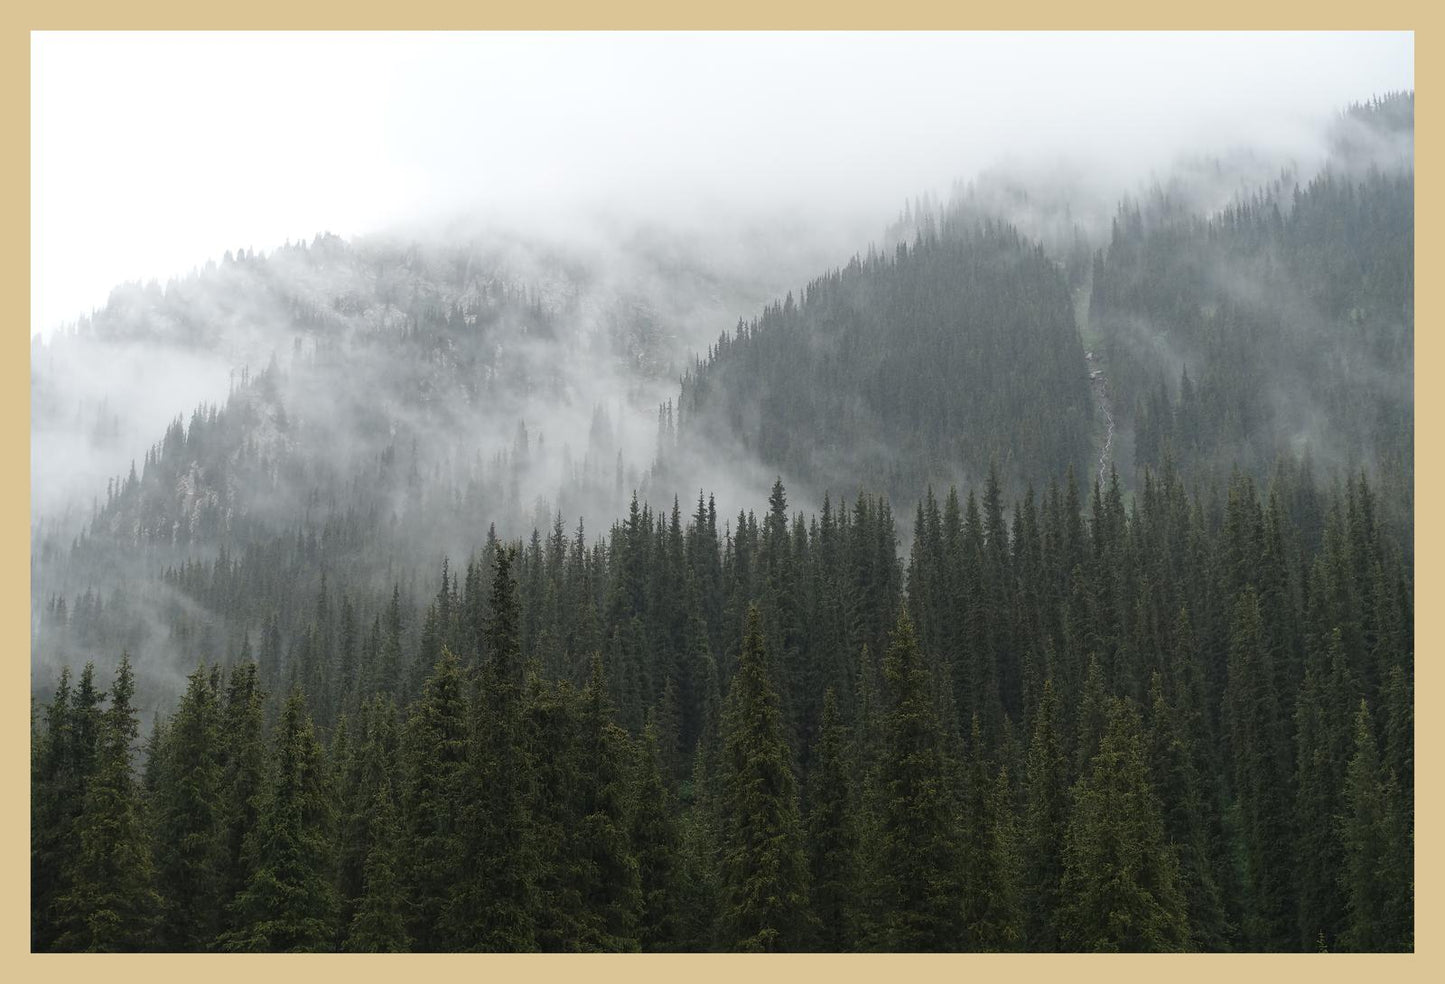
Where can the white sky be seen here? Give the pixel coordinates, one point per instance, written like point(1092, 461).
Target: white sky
point(151, 153)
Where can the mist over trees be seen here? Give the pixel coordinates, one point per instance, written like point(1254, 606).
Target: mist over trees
point(1284, 322)
point(1039, 578)
point(945, 356)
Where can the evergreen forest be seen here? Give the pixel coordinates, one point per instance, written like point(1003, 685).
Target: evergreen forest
point(1017, 585)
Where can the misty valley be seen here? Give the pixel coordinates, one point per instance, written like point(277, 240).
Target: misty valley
point(1033, 574)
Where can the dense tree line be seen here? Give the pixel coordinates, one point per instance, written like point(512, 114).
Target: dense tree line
point(1184, 723)
point(1282, 324)
point(1167, 709)
point(904, 370)
point(1284, 320)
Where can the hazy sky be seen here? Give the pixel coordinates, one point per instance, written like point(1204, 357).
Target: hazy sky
point(151, 153)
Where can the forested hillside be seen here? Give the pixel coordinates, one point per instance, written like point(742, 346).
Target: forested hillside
point(394, 393)
point(776, 736)
point(1282, 323)
point(1019, 585)
point(899, 371)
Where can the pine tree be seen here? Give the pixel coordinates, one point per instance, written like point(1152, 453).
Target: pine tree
point(379, 925)
point(919, 875)
point(245, 771)
point(390, 673)
point(561, 917)
point(110, 903)
point(1045, 822)
point(189, 821)
point(1323, 739)
point(367, 765)
point(990, 888)
point(1006, 912)
point(1378, 885)
point(56, 796)
point(525, 818)
point(1186, 810)
point(763, 871)
point(668, 720)
point(610, 887)
point(1092, 717)
point(493, 905)
point(699, 856)
point(1259, 750)
point(832, 830)
point(433, 773)
point(657, 842)
point(1120, 884)
point(289, 903)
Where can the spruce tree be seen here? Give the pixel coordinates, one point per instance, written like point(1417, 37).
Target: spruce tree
point(245, 771)
point(832, 829)
point(433, 776)
point(55, 800)
point(610, 887)
point(491, 908)
point(110, 903)
point(1120, 886)
point(1045, 821)
point(763, 871)
point(1324, 741)
point(656, 840)
point(1186, 809)
point(1261, 774)
point(561, 916)
point(919, 873)
point(379, 925)
point(189, 821)
point(990, 889)
point(289, 903)
point(360, 773)
point(1378, 885)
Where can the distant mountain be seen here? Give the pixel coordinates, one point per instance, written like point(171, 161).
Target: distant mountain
point(898, 371)
point(1283, 324)
point(393, 401)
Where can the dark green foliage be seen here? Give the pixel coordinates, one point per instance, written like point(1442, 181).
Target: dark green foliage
point(553, 730)
point(289, 903)
point(763, 872)
point(948, 354)
point(244, 777)
point(492, 904)
point(1324, 742)
point(1187, 811)
point(109, 902)
point(363, 786)
point(529, 815)
point(610, 882)
point(656, 840)
point(1260, 752)
point(1160, 697)
point(989, 853)
point(1120, 886)
point(188, 821)
point(1046, 807)
point(379, 925)
point(585, 880)
point(919, 874)
point(832, 829)
point(1378, 882)
point(1233, 337)
point(434, 771)
point(57, 783)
